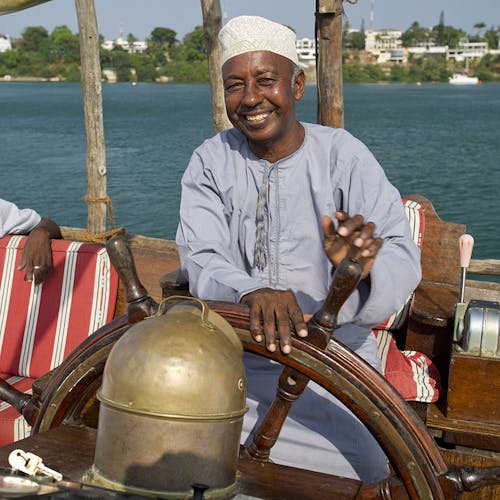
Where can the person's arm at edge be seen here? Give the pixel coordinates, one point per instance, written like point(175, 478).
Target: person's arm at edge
point(37, 253)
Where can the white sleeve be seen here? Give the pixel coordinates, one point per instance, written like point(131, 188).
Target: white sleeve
point(203, 240)
point(16, 221)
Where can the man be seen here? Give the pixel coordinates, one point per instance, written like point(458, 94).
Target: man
point(255, 227)
point(37, 254)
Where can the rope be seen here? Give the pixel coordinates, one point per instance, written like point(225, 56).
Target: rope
point(99, 237)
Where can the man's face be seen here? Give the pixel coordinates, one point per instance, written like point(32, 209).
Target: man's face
point(260, 98)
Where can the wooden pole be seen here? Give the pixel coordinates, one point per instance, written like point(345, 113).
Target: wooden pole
point(92, 106)
point(329, 62)
point(212, 22)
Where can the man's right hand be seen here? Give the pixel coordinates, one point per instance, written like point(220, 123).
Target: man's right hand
point(273, 313)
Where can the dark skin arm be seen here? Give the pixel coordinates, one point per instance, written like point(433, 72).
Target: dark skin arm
point(275, 313)
point(37, 253)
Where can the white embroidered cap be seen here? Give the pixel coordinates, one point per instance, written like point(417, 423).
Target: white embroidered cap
point(250, 33)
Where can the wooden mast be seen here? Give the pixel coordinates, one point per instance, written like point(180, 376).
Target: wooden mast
point(329, 62)
point(92, 105)
point(212, 22)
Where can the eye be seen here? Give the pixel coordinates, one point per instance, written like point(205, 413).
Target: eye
point(233, 86)
point(266, 81)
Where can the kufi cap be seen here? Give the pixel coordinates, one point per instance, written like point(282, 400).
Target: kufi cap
point(251, 33)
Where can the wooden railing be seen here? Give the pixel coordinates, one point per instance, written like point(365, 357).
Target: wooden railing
point(489, 267)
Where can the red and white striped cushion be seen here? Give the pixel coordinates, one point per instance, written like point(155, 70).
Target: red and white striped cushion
point(12, 425)
point(40, 325)
point(412, 373)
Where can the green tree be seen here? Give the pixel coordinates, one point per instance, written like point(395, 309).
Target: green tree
point(353, 39)
point(416, 72)
point(358, 39)
point(439, 30)
point(492, 37)
point(164, 36)
point(374, 73)
point(194, 48)
point(144, 68)
point(123, 74)
point(120, 60)
point(72, 73)
point(479, 26)
point(451, 36)
point(65, 45)
point(488, 68)
point(414, 35)
point(435, 70)
point(187, 72)
point(353, 73)
point(398, 73)
point(33, 38)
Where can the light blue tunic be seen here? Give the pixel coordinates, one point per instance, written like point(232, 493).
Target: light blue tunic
point(16, 221)
point(216, 237)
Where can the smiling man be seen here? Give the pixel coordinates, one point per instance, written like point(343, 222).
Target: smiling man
point(269, 208)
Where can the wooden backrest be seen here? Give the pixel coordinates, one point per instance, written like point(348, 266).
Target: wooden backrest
point(432, 311)
point(440, 261)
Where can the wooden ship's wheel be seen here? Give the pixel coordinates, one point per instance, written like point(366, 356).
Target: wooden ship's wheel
point(419, 471)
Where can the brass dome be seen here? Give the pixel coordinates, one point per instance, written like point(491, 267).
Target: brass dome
point(163, 365)
point(172, 405)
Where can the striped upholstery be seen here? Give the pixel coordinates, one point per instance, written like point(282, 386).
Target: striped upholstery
point(12, 425)
point(41, 325)
point(412, 373)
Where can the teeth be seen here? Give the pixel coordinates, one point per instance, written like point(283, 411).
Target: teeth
point(257, 117)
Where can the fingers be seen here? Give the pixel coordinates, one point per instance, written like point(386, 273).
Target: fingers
point(40, 273)
point(36, 273)
point(274, 314)
point(276, 326)
point(36, 258)
point(354, 238)
point(349, 225)
point(328, 227)
point(256, 322)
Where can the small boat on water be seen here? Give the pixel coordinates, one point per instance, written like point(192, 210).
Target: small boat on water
point(463, 79)
point(437, 450)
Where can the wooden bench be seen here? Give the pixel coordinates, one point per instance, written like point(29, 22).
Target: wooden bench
point(41, 325)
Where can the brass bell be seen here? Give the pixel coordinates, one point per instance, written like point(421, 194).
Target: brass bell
point(172, 405)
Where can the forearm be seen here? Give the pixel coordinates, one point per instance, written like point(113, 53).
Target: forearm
point(213, 277)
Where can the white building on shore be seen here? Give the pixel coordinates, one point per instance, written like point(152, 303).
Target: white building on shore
point(468, 50)
point(137, 47)
point(386, 45)
point(5, 43)
point(306, 51)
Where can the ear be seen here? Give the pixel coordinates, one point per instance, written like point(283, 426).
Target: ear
point(299, 85)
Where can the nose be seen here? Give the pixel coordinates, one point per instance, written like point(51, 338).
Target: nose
point(252, 95)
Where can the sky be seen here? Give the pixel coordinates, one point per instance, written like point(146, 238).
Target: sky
point(141, 17)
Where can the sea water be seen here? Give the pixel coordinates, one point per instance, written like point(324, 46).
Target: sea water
point(438, 140)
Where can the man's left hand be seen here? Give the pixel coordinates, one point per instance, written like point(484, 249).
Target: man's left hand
point(37, 256)
point(354, 238)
